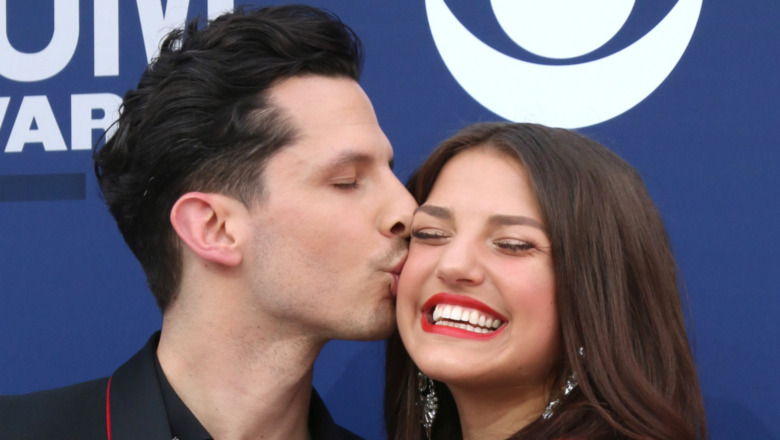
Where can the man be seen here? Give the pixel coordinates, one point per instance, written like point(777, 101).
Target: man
point(250, 178)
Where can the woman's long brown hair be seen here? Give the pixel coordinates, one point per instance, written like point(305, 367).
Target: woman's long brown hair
point(616, 291)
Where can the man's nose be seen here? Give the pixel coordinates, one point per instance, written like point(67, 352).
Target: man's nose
point(401, 205)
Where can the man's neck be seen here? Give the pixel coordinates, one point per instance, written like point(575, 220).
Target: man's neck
point(240, 381)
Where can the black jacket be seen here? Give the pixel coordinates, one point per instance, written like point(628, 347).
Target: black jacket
point(126, 406)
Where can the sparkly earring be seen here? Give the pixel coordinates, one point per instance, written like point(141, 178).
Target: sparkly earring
point(571, 383)
point(429, 401)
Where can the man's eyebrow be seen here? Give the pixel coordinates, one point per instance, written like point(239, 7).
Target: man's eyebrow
point(435, 211)
point(346, 158)
point(511, 220)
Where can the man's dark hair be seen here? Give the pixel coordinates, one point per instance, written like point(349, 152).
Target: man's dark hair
point(200, 120)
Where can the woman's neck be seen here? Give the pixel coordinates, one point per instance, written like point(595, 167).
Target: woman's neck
point(497, 413)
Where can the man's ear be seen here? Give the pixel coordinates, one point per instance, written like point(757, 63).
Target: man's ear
point(208, 224)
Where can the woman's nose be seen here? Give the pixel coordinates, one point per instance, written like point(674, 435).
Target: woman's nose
point(460, 263)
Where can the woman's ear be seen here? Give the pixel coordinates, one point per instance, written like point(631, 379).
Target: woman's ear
point(207, 224)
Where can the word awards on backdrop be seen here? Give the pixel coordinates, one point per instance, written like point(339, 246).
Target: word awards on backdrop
point(32, 119)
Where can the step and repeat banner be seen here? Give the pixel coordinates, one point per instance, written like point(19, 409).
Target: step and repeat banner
point(687, 91)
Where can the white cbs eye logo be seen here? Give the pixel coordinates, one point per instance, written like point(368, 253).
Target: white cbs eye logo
point(568, 96)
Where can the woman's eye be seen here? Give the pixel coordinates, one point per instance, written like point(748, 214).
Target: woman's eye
point(515, 245)
point(426, 234)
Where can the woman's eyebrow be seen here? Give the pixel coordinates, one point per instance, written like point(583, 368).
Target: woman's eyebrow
point(511, 220)
point(435, 211)
point(496, 219)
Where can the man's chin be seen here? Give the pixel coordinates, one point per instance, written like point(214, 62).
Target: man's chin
point(379, 325)
point(381, 334)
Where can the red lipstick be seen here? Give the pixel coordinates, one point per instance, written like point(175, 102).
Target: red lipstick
point(427, 324)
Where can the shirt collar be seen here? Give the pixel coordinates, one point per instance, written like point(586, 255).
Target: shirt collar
point(184, 425)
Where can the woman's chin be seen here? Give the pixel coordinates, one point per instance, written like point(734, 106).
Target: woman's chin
point(453, 370)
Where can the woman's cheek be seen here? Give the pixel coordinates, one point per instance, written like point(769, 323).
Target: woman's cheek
point(413, 278)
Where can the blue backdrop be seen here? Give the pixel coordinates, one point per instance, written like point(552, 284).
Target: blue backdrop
point(686, 92)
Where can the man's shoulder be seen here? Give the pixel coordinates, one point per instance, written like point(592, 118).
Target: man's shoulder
point(76, 409)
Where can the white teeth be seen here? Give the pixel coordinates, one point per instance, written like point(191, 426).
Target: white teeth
point(464, 318)
point(463, 326)
point(457, 311)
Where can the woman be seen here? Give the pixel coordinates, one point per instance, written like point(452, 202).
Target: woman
point(540, 296)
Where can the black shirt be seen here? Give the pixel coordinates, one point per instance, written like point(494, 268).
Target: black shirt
point(185, 426)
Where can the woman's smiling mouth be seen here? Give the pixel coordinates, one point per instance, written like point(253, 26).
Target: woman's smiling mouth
point(464, 318)
point(460, 316)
